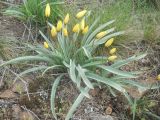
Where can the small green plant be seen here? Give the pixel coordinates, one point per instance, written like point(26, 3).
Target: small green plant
point(33, 11)
point(71, 52)
point(141, 108)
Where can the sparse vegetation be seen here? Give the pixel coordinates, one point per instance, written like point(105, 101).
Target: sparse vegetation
point(32, 11)
point(80, 56)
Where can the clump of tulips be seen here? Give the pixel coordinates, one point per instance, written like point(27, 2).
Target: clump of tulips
point(72, 52)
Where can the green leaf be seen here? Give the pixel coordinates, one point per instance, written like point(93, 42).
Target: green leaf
point(128, 60)
point(106, 81)
point(81, 71)
point(84, 92)
point(94, 33)
point(26, 58)
point(151, 114)
point(53, 94)
point(72, 72)
point(48, 41)
point(76, 104)
point(93, 63)
point(112, 91)
point(116, 71)
point(89, 31)
point(51, 67)
point(79, 81)
point(128, 98)
point(87, 53)
point(104, 39)
point(33, 70)
point(134, 108)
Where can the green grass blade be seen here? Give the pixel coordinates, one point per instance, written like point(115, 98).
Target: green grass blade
point(76, 104)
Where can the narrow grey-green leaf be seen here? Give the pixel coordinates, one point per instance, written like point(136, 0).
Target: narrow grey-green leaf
point(128, 60)
point(88, 54)
point(106, 81)
point(89, 31)
point(76, 104)
point(93, 34)
point(26, 58)
point(104, 39)
point(53, 94)
point(47, 40)
point(72, 72)
point(33, 70)
point(85, 79)
point(116, 71)
point(50, 67)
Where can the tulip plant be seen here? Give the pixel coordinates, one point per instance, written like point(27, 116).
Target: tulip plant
point(72, 53)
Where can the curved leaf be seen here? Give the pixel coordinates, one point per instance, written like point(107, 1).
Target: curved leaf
point(26, 58)
point(53, 94)
point(76, 104)
point(116, 71)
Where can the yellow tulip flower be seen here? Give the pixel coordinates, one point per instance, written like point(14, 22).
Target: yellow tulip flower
point(82, 24)
point(158, 77)
point(59, 25)
point(81, 14)
point(46, 45)
point(65, 32)
point(101, 34)
point(66, 19)
point(53, 31)
point(47, 10)
point(112, 51)
point(112, 58)
point(76, 28)
point(85, 30)
point(109, 42)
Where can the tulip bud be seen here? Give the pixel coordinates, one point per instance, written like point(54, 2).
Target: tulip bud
point(47, 10)
point(82, 25)
point(76, 28)
point(112, 51)
point(112, 58)
point(85, 30)
point(66, 19)
point(81, 14)
point(46, 45)
point(101, 35)
point(109, 42)
point(65, 32)
point(59, 25)
point(53, 31)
